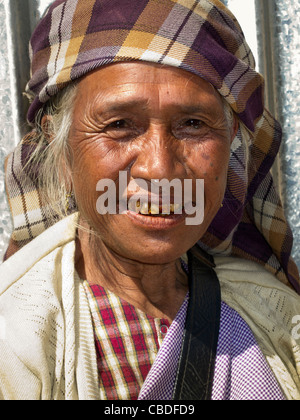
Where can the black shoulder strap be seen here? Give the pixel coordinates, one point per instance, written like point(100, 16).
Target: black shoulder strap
point(197, 361)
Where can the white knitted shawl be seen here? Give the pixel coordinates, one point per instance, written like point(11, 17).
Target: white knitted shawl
point(47, 350)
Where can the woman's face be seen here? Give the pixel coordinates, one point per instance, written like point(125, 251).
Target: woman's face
point(152, 122)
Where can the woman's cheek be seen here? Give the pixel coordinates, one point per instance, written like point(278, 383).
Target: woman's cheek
point(212, 167)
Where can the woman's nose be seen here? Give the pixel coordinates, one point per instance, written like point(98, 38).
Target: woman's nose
point(160, 156)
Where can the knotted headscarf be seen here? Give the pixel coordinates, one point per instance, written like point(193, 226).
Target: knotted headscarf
point(76, 37)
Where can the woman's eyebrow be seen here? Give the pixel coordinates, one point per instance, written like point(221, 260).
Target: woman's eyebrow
point(194, 109)
point(121, 103)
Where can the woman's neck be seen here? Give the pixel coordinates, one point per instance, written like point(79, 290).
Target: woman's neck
point(158, 290)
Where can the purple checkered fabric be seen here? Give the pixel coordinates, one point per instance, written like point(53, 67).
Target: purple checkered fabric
point(159, 383)
point(241, 370)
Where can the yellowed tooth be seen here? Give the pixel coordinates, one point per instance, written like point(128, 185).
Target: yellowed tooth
point(144, 208)
point(132, 206)
point(138, 206)
point(176, 207)
point(165, 209)
point(154, 209)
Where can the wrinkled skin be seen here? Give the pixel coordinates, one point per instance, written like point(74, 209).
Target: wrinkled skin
point(155, 122)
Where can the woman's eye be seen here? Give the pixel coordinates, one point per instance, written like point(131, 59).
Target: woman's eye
point(192, 128)
point(120, 124)
point(194, 123)
point(121, 129)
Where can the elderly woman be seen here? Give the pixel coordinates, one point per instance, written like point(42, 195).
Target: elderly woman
point(146, 303)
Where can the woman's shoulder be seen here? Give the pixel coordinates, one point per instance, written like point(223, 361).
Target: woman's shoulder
point(39, 252)
point(37, 288)
point(247, 279)
point(31, 279)
point(258, 296)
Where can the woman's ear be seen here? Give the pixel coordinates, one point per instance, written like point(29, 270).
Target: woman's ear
point(46, 125)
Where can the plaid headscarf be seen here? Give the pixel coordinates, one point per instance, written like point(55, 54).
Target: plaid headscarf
point(203, 37)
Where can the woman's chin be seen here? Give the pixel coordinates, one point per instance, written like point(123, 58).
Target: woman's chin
point(154, 253)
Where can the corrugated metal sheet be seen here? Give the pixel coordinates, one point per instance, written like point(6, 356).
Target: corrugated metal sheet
point(278, 54)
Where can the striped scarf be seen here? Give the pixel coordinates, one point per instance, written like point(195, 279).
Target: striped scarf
point(200, 36)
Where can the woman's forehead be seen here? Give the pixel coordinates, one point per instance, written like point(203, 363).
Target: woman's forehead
point(126, 79)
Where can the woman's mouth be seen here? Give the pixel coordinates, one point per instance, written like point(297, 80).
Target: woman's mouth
point(155, 210)
point(154, 216)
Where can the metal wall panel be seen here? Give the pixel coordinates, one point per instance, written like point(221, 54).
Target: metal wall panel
point(287, 45)
point(278, 47)
point(8, 132)
point(278, 32)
